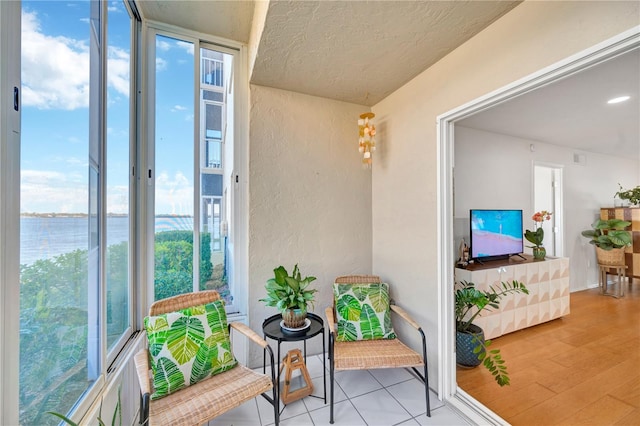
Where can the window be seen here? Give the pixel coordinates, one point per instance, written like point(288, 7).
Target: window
point(193, 156)
point(75, 174)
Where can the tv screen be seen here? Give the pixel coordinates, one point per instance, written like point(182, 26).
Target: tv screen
point(495, 233)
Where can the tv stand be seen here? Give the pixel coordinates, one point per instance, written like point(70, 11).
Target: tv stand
point(548, 298)
point(519, 255)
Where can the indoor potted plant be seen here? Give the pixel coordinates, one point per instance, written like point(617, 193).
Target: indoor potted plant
point(632, 195)
point(535, 237)
point(290, 295)
point(610, 240)
point(471, 347)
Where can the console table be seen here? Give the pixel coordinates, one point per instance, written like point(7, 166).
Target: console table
point(548, 298)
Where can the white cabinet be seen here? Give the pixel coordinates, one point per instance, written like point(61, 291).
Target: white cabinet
point(548, 298)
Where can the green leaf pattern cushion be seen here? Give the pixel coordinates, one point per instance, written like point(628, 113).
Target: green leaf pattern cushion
point(363, 312)
point(188, 346)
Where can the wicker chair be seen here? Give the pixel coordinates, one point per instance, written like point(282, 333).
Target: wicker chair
point(372, 354)
point(197, 404)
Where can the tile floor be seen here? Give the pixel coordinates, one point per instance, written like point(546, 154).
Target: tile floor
point(376, 397)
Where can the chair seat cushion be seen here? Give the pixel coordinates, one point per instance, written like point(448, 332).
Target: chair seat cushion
point(371, 354)
point(209, 398)
point(188, 346)
point(362, 312)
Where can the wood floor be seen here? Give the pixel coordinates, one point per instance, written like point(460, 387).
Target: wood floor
point(583, 369)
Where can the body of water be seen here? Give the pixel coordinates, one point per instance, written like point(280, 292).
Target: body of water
point(46, 237)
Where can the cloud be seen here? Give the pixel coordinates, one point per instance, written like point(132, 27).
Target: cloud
point(51, 191)
point(161, 64)
point(174, 195)
point(186, 46)
point(55, 69)
point(178, 108)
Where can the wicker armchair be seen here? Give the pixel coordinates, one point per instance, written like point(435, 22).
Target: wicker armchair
point(197, 404)
point(372, 354)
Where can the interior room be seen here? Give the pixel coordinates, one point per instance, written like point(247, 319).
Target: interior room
point(185, 146)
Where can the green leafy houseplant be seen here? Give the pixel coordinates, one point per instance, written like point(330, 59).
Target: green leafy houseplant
point(286, 291)
point(609, 234)
point(117, 414)
point(633, 195)
point(471, 302)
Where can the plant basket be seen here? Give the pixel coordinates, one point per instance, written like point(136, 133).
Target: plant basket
point(613, 257)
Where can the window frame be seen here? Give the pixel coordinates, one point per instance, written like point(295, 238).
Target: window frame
point(238, 199)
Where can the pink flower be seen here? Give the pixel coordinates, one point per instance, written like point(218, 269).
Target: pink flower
point(541, 216)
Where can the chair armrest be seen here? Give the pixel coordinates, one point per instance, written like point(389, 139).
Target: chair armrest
point(244, 329)
point(331, 321)
point(405, 316)
point(142, 369)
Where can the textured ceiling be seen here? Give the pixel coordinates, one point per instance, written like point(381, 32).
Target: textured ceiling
point(573, 112)
point(361, 51)
point(353, 51)
point(230, 19)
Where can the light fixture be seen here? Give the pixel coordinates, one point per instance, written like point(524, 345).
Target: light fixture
point(366, 140)
point(618, 99)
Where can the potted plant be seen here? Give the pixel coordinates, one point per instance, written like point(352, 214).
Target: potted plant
point(535, 237)
point(290, 295)
point(471, 347)
point(610, 240)
point(633, 195)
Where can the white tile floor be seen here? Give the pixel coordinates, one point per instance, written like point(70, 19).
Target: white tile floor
point(376, 397)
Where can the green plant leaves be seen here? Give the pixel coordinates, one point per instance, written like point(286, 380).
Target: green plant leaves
point(168, 377)
point(346, 331)
point(184, 338)
point(348, 307)
point(370, 324)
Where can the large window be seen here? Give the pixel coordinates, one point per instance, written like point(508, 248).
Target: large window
point(75, 171)
point(193, 155)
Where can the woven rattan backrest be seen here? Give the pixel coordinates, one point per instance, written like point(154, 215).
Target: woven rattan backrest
point(182, 301)
point(355, 279)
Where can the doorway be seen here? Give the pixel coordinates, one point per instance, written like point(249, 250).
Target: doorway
point(548, 195)
point(449, 390)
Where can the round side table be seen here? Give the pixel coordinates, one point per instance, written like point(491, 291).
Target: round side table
point(271, 329)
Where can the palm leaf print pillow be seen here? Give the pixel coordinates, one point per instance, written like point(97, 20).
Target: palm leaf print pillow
point(188, 346)
point(363, 312)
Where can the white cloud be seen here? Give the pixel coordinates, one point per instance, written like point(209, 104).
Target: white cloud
point(174, 195)
point(55, 69)
point(186, 46)
point(162, 45)
point(50, 191)
point(161, 64)
point(178, 108)
point(118, 70)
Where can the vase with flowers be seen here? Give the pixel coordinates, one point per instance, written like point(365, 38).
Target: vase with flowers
point(536, 236)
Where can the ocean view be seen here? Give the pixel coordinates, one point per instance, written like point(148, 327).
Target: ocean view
point(44, 237)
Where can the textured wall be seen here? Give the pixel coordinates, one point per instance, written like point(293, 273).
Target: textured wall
point(405, 186)
point(309, 197)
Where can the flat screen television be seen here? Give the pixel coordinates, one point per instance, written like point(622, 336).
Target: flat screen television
point(495, 234)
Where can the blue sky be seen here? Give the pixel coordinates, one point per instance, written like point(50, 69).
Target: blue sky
point(55, 114)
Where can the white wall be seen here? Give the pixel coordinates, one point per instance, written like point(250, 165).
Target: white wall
point(309, 197)
point(532, 36)
point(496, 171)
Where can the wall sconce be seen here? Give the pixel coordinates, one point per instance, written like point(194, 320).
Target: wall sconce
point(366, 141)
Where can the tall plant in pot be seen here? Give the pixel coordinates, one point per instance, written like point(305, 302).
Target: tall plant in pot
point(290, 294)
point(471, 347)
point(610, 239)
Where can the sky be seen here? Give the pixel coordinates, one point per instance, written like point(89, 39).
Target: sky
point(55, 113)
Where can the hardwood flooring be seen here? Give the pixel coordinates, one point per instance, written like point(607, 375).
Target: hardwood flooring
point(583, 369)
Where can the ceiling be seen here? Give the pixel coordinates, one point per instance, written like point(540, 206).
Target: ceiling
point(574, 113)
point(361, 51)
point(352, 51)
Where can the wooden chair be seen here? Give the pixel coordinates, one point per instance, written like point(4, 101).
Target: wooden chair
point(372, 354)
point(197, 404)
